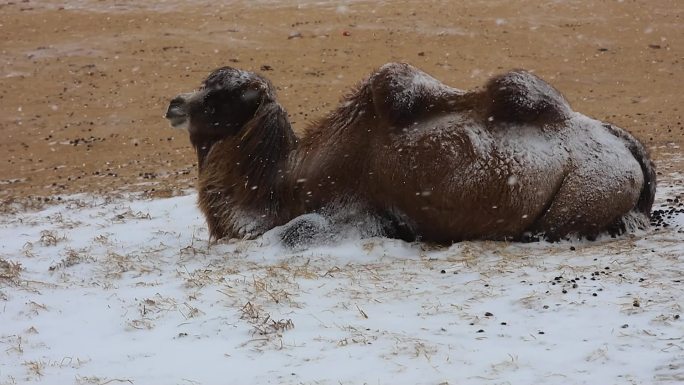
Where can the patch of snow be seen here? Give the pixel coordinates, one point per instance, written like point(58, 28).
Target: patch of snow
point(103, 291)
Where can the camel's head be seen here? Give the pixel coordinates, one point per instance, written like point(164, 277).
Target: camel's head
point(227, 99)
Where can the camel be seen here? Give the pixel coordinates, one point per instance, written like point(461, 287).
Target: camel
point(508, 161)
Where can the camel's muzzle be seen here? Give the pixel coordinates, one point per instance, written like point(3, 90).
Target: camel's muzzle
point(177, 113)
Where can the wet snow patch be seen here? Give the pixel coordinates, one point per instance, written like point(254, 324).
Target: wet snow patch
point(102, 291)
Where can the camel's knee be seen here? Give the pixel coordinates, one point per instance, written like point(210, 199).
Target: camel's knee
point(305, 231)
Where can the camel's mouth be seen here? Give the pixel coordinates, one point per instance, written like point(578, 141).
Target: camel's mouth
point(178, 122)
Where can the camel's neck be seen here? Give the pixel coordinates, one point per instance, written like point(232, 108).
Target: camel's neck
point(202, 150)
point(243, 179)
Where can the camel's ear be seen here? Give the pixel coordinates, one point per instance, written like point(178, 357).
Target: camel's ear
point(253, 96)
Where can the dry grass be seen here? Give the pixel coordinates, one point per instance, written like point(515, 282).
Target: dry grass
point(35, 368)
point(14, 205)
point(50, 238)
point(72, 258)
point(262, 323)
point(200, 278)
point(277, 295)
point(14, 343)
point(27, 250)
point(94, 380)
point(130, 214)
point(115, 265)
point(10, 271)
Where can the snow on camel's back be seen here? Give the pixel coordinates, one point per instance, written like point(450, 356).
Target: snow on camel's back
point(423, 160)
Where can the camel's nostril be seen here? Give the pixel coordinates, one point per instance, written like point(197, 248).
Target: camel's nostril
point(177, 113)
point(177, 102)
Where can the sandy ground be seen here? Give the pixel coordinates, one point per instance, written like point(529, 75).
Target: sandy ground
point(83, 86)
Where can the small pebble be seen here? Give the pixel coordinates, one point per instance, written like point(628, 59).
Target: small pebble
point(488, 314)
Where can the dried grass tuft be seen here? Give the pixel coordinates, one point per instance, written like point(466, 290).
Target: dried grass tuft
point(10, 271)
point(35, 368)
point(72, 258)
point(15, 205)
point(262, 323)
point(50, 238)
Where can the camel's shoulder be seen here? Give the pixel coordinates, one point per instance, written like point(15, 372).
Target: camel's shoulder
point(522, 97)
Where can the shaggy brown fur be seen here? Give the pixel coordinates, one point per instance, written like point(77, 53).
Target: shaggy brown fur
point(508, 161)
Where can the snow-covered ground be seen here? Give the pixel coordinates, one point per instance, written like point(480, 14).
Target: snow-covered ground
point(129, 291)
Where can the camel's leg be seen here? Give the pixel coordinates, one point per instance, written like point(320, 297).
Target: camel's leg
point(305, 231)
point(316, 229)
point(587, 204)
point(647, 168)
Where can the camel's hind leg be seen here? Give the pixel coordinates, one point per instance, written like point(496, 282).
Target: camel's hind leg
point(586, 205)
point(647, 167)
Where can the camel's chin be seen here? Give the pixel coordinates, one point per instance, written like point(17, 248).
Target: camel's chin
point(180, 123)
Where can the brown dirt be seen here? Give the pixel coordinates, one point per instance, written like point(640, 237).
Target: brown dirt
point(83, 87)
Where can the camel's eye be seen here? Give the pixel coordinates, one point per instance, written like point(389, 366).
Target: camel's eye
point(251, 97)
point(223, 100)
point(227, 110)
